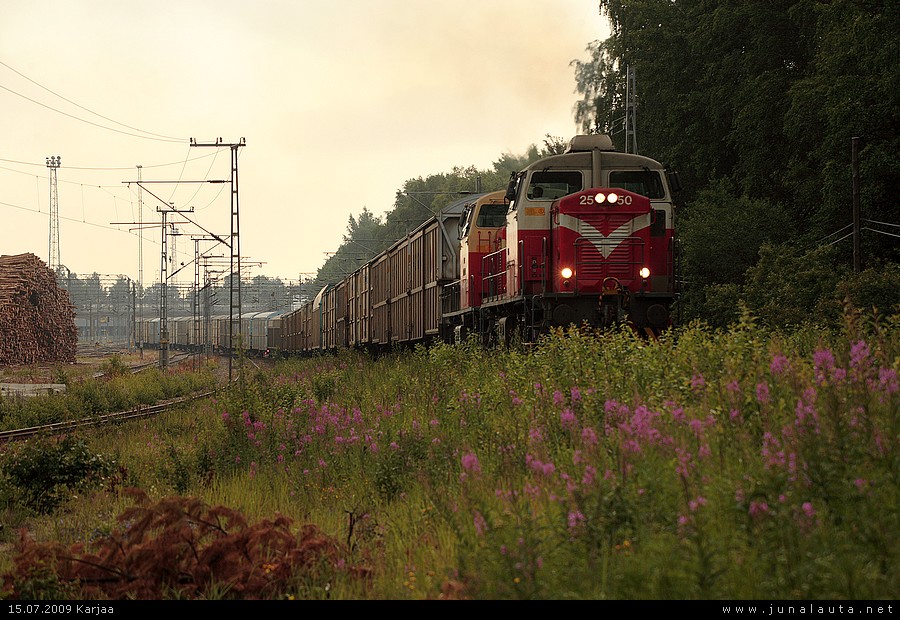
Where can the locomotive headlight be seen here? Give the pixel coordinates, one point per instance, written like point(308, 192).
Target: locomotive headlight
point(566, 273)
point(600, 198)
point(645, 273)
point(612, 197)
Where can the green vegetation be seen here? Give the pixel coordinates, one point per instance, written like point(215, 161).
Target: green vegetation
point(116, 389)
point(745, 463)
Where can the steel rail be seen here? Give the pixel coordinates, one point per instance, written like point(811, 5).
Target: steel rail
point(141, 411)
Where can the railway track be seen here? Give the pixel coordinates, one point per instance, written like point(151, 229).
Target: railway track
point(139, 412)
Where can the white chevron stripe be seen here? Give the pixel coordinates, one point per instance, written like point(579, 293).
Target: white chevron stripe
point(615, 237)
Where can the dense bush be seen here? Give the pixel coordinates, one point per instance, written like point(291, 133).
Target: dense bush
point(41, 473)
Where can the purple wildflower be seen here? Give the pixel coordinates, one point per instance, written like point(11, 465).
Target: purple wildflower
point(758, 509)
point(823, 360)
point(762, 393)
point(480, 523)
point(557, 398)
point(779, 365)
point(576, 520)
point(567, 418)
point(470, 462)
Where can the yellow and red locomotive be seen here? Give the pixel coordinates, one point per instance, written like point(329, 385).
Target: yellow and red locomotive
point(581, 237)
point(587, 238)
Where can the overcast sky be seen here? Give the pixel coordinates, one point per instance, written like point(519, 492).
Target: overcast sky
point(339, 101)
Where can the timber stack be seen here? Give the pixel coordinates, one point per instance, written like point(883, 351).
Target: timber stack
point(37, 318)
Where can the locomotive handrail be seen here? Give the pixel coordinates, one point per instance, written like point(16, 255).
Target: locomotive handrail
point(544, 253)
point(492, 278)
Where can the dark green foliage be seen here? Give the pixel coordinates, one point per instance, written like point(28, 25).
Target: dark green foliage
point(756, 105)
point(788, 287)
point(44, 471)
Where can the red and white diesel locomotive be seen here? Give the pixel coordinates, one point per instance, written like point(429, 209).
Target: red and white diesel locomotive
point(581, 237)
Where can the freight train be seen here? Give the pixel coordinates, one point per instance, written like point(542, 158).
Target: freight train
point(583, 237)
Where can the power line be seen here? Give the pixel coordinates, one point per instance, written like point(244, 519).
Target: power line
point(159, 137)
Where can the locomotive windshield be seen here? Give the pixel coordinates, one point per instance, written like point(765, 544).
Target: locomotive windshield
point(644, 182)
point(550, 185)
point(492, 216)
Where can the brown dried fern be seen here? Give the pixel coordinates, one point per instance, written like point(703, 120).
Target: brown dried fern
point(179, 547)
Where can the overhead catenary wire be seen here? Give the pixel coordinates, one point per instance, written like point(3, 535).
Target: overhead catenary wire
point(149, 135)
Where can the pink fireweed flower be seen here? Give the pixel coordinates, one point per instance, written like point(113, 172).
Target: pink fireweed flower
point(859, 356)
point(698, 382)
point(589, 437)
point(576, 520)
point(535, 434)
point(887, 381)
point(697, 427)
point(480, 523)
point(684, 466)
point(575, 394)
point(758, 509)
point(470, 463)
point(779, 365)
point(695, 504)
point(558, 398)
point(531, 490)
point(807, 516)
point(733, 386)
point(515, 398)
point(590, 474)
point(762, 393)
point(823, 361)
point(773, 455)
point(567, 418)
point(808, 509)
point(806, 414)
point(539, 466)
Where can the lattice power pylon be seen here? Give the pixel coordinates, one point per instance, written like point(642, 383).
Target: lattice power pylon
point(53, 163)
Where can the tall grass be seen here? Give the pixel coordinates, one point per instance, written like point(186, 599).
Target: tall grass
point(739, 464)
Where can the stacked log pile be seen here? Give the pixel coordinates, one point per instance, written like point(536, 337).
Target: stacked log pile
point(37, 318)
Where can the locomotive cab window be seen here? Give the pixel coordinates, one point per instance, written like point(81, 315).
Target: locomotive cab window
point(492, 216)
point(644, 182)
point(552, 185)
